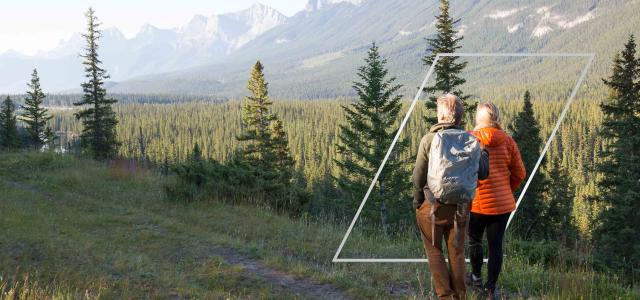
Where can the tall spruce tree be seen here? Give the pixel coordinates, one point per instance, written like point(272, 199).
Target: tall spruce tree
point(8, 125)
point(98, 136)
point(528, 222)
point(559, 214)
point(266, 149)
point(34, 115)
point(617, 237)
point(364, 141)
point(447, 70)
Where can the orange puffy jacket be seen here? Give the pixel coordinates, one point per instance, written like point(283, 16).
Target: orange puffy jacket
point(494, 195)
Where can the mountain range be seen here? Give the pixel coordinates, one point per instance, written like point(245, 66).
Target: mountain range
point(315, 53)
point(152, 50)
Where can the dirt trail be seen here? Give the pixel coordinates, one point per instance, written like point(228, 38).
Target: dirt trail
point(279, 280)
point(22, 186)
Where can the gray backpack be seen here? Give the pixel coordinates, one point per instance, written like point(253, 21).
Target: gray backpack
point(453, 167)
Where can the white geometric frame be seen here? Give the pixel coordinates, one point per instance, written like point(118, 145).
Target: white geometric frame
point(591, 57)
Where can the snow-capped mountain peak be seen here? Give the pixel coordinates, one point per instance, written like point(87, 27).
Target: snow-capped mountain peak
point(314, 5)
point(197, 24)
point(113, 33)
point(259, 18)
point(147, 29)
point(231, 31)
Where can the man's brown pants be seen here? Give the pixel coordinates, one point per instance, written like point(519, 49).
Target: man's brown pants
point(449, 285)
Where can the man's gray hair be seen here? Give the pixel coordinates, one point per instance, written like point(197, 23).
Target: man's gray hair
point(450, 109)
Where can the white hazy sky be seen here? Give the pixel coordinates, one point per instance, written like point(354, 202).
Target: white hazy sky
point(29, 26)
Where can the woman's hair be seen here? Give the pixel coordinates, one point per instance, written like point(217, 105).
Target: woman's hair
point(492, 113)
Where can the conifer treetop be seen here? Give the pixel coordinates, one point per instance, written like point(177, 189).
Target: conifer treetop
point(448, 69)
point(8, 124)
point(99, 136)
point(364, 140)
point(34, 115)
point(619, 182)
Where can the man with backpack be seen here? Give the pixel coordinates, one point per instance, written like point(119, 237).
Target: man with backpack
point(448, 166)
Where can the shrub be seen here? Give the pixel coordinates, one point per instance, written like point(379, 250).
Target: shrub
point(206, 179)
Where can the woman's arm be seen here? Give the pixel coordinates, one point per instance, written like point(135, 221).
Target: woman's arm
point(516, 166)
point(483, 169)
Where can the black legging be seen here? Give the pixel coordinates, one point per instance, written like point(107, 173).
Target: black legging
point(495, 226)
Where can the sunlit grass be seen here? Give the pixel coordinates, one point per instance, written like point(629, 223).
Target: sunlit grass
point(74, 227)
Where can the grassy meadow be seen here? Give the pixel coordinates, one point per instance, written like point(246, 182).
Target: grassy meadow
point(74, 228)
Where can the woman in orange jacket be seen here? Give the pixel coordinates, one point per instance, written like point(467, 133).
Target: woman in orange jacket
point(494, 199)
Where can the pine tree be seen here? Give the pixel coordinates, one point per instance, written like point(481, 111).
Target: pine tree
point(98, 118)
point(195, 167)
point(49, 137)
point(448, 68)
point(34, 115)
point(192, 176)
point(364, 141)
point(617, 237)
point(256, 133)
point(196, 153)
point(284, 163)
point(266, 147)
point(295, 197)
point(559, 214)
point(8, 125)
point(528, 222)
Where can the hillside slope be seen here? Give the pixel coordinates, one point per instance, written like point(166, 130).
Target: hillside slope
point(72, 227)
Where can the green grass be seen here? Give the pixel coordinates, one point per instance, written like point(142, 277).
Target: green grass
point(74, 228)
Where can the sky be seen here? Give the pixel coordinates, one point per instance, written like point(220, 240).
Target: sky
point(30, 26)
